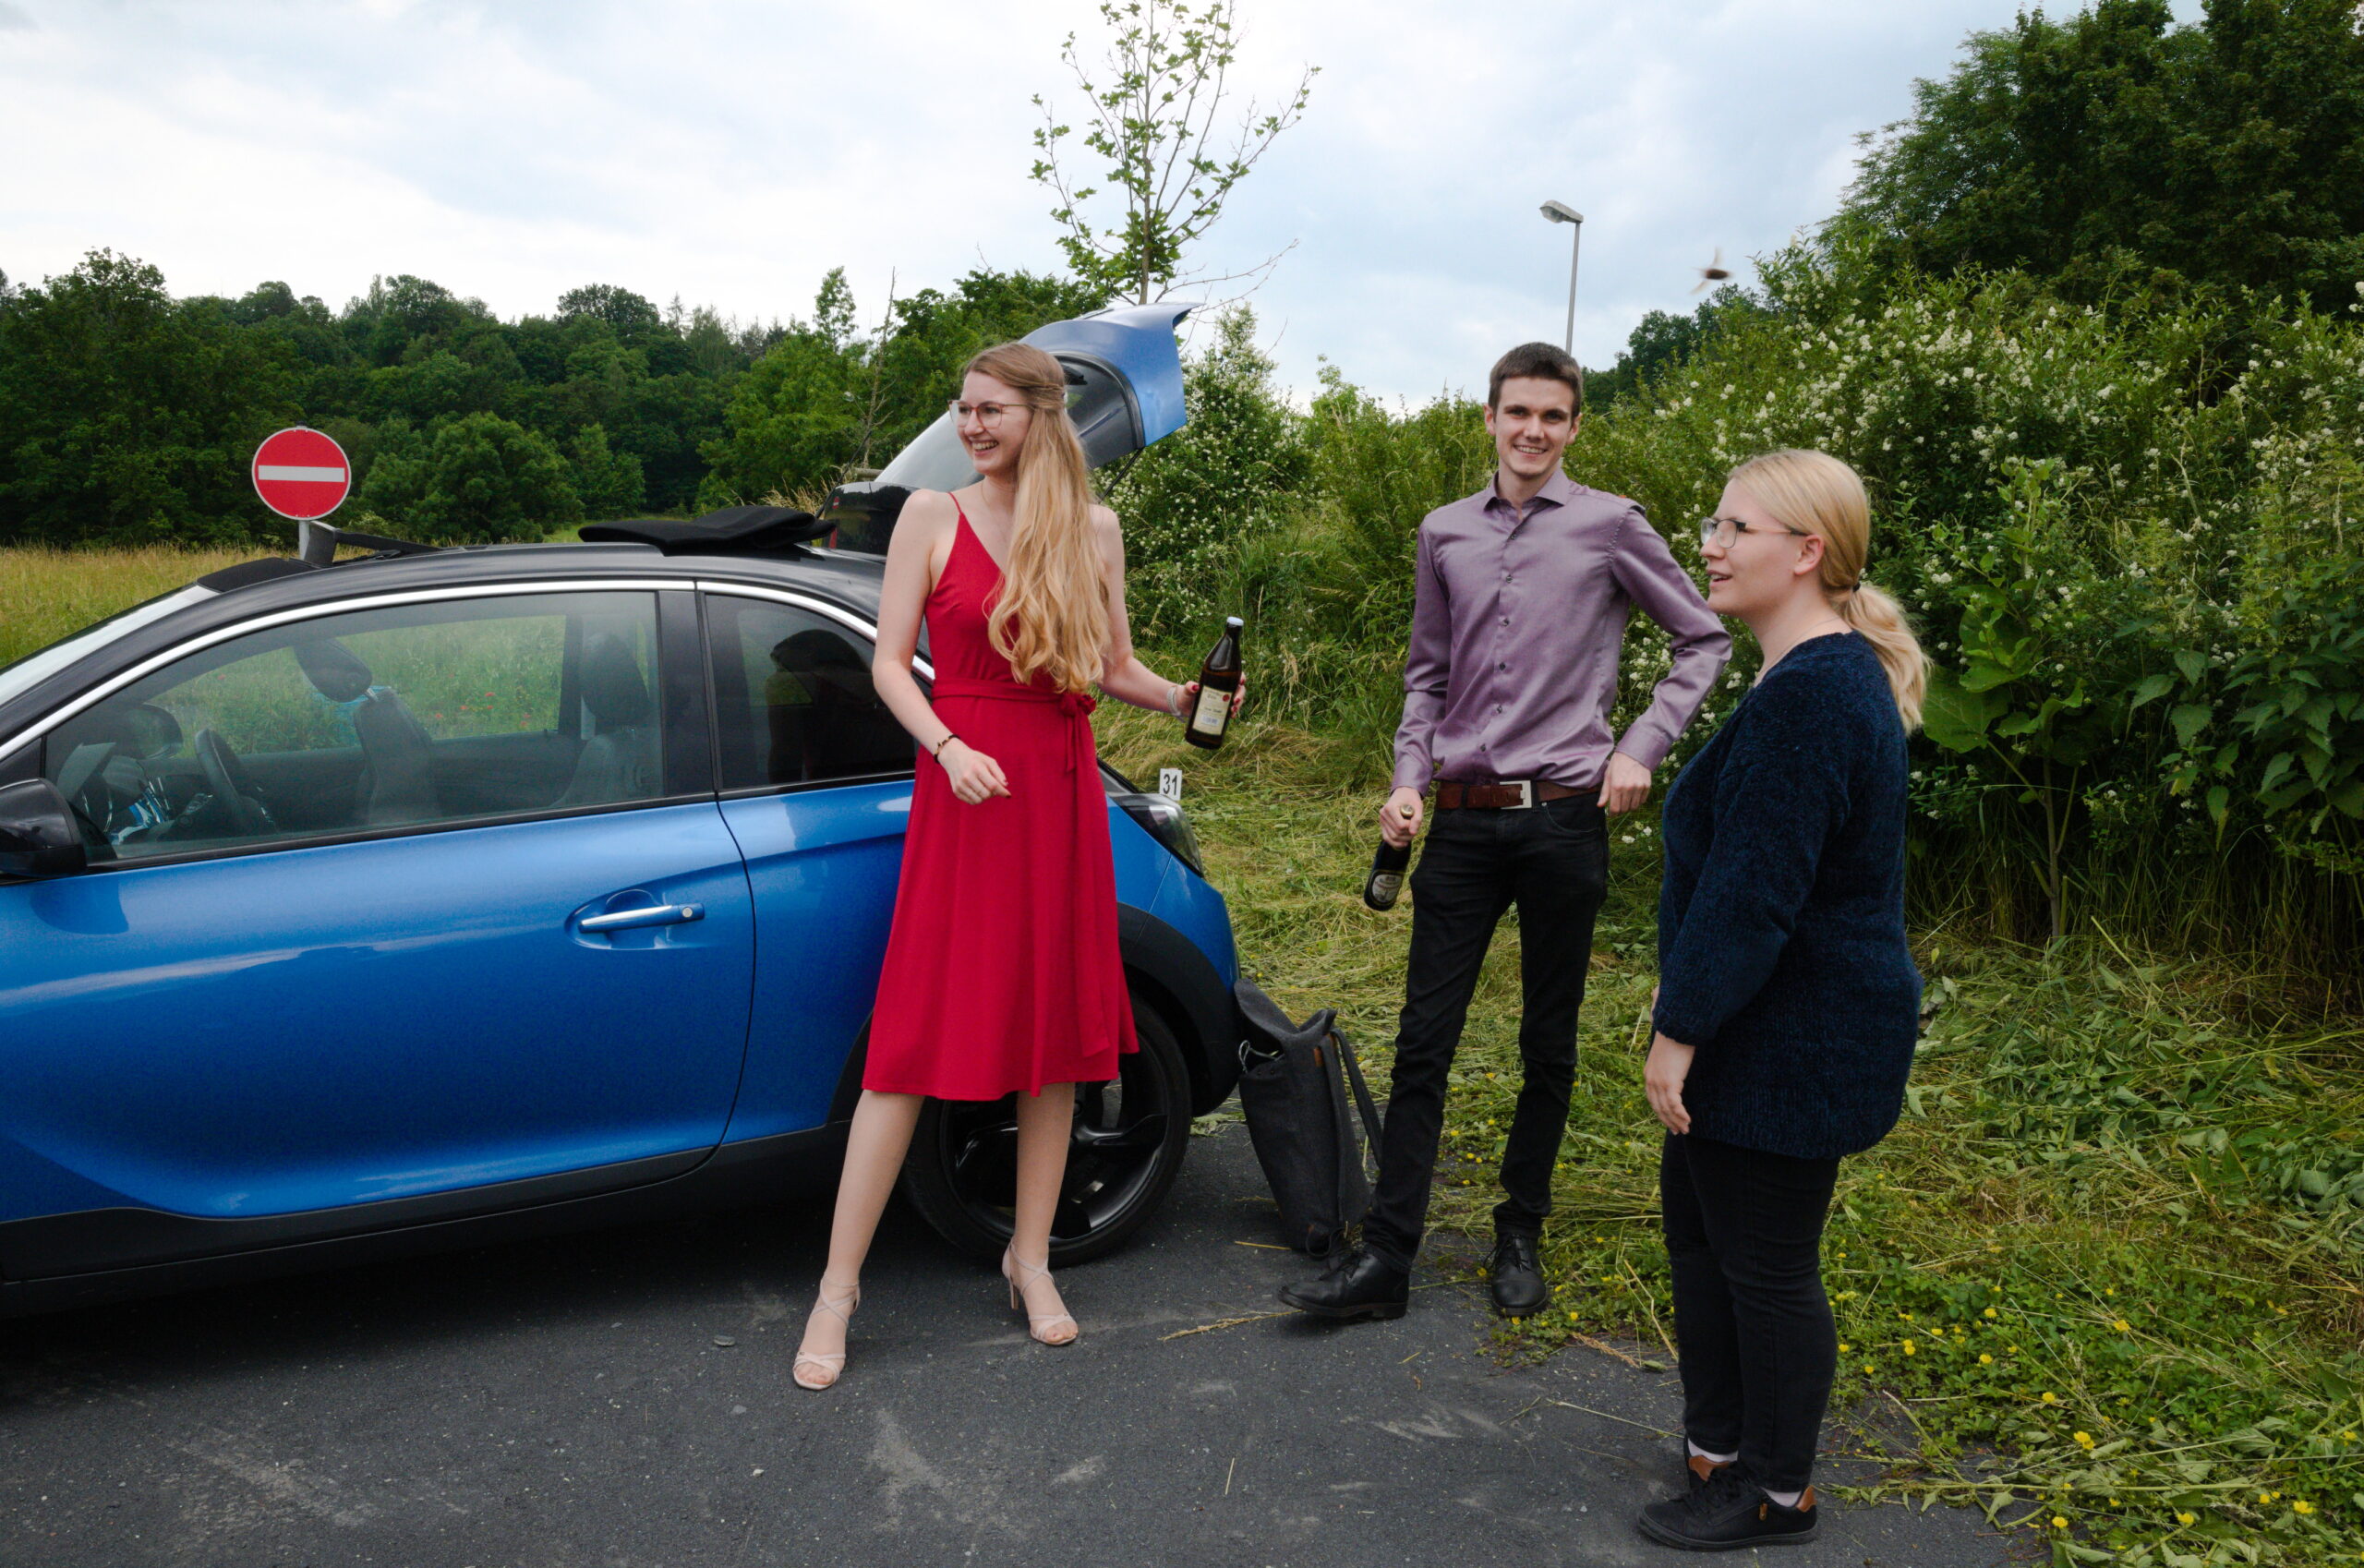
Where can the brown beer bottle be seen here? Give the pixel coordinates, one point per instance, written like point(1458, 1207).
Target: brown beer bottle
point(1385, 883)
point(1209, 715)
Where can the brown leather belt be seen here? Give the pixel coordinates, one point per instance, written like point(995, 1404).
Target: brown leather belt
point(1510, 796)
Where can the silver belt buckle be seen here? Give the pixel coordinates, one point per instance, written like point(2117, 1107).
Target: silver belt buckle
point(1525, 794)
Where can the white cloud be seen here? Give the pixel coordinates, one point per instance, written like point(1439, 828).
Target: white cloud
point(731, 150)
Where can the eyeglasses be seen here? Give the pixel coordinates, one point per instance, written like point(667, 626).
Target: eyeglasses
point(989, 414)
point(1721, 531)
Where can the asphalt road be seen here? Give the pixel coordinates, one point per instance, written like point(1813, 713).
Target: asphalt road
point(572, 1403)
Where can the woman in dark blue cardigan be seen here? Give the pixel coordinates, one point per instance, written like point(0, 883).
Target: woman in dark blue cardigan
point(1788, 1003)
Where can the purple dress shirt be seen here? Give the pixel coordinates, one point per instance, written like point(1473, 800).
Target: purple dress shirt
point(1516, 623)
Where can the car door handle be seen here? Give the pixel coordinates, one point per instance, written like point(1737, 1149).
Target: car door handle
point(658, 914)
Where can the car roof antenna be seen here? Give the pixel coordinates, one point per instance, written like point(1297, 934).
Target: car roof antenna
point(316, 543)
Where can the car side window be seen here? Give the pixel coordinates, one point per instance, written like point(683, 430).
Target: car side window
point(793, 699)
point(412, 715)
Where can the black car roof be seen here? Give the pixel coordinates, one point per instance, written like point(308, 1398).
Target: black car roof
point(246, 592)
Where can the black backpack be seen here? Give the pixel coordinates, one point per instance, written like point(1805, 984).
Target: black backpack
point(1293, 1081)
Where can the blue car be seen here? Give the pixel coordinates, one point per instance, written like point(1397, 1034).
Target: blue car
point(440, 894)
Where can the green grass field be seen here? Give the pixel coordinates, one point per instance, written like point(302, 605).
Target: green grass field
point(2107, 1268)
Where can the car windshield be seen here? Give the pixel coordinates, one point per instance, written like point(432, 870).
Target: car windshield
point(935, 461)
point(17, 679)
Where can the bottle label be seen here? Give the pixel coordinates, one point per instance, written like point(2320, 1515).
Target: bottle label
point(1213, 710)
point(1385, 886)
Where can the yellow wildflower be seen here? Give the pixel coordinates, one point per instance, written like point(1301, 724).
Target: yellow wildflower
point(1990, 1313)
point(2118, 1323)
point(2183, 1518)
point(1845, 1348)
point(1984, 1360)
point(2302, 1506)
point(2082, 1440)
point(1910, 1349)
point(2050, 1397)
point(2058, 1523)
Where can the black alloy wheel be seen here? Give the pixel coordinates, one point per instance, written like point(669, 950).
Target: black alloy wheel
point(1129, 1139)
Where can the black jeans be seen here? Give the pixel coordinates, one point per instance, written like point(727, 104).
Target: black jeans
point(1743, 1233)
point(1552, 861)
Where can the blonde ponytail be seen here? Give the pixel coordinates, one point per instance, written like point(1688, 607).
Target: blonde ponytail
point(1052, 616)
point(1817, 493)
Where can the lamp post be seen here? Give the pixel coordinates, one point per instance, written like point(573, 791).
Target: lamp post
point(1560, 212)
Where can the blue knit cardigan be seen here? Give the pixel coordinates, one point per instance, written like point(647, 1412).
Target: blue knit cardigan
point(1781, 949)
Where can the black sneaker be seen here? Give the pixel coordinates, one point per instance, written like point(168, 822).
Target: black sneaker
point(1727, 1511)
point(1698, 1470)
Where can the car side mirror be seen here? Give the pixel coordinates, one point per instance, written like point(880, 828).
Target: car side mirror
point(38, 835)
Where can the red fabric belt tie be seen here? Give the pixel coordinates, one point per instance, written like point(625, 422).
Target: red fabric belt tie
point(1071, 705)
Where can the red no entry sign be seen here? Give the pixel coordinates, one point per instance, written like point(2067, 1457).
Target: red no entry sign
point(302, 474)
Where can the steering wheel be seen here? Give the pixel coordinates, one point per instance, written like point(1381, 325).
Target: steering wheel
point(226, 777)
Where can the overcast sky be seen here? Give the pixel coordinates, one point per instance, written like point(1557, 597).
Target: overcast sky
point(730, 151)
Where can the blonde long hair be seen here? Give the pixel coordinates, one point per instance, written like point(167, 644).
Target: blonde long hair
point(1815, 492)
point(1052, 616)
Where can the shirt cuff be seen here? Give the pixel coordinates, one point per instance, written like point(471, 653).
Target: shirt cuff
point(1646, 746)
point(1411, 776)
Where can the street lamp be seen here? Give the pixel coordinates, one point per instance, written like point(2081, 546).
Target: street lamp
point(1560, 212)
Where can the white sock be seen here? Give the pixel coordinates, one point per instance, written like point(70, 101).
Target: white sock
point(1786, 1498)
point(1699, 1453)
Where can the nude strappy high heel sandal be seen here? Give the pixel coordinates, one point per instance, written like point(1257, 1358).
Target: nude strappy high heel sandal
point(827, 1366)
point(1044, 1328)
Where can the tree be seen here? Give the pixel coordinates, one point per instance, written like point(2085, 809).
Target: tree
point(126, 417)
point(479, 479)
point(632, 317)
point(608, 482)
point(2117, 149)
point(1662, 340)
point(1153, 117)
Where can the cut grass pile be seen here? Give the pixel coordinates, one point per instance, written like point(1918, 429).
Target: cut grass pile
point(2107, 1265)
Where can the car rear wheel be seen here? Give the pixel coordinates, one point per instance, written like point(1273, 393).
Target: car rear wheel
point(1129, 1139)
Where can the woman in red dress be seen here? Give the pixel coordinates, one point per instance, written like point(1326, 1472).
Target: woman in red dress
point(1002, 972)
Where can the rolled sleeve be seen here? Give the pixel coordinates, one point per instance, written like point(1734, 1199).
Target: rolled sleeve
point(1646, 570)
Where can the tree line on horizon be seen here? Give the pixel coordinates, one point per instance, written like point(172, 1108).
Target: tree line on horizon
point(127, 416)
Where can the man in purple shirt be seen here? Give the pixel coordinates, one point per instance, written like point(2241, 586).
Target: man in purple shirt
point(1523, 593)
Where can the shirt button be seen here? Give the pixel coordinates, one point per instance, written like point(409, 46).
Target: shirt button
point(1506, 619)
point(1502, 667)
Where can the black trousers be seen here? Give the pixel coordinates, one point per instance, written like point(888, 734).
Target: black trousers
point(1552, 861)
point(1743, 1233)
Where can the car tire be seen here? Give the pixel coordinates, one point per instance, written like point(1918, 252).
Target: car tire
point(1131, 1135)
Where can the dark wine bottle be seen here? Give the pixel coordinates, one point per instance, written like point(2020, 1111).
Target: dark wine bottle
point(1209, 715)
point(1385, 884)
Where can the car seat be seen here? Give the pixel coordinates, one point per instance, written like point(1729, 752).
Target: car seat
point(619, 761)
point(397, 781)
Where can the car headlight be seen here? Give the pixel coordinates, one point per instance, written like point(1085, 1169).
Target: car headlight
point(1162, 819)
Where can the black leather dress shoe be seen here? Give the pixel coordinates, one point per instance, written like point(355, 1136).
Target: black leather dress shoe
point(1517, 1277)
point(1363, 1285)
point(1728, 1511)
